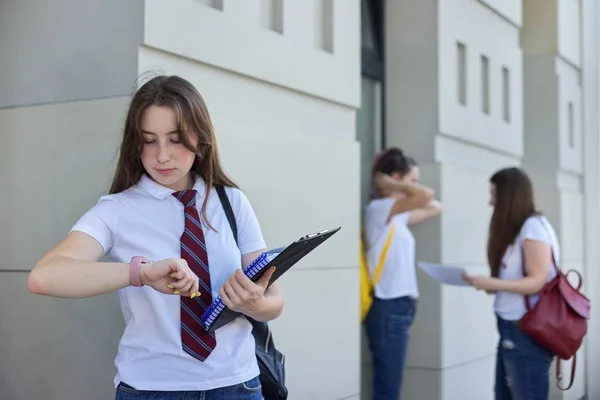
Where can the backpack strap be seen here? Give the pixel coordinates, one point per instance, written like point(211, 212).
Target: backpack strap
point(559, 377)
point(260, 330)
point(228, 210)
point(381, 261)
point(554, 264)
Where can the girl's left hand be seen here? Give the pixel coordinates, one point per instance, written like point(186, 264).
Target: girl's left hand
point(240, 294)
point(480, 282)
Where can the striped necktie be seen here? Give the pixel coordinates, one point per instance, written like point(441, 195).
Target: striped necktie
point(194, 339)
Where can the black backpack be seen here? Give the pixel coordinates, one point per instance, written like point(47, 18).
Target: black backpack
point(271, 361)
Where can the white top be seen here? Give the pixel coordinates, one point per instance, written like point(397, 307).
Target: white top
point(511, 306)
point(146, 220)
point(398, 277)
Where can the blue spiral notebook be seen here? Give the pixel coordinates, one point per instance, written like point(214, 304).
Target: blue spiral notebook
point(216, 308)
point(217, 314)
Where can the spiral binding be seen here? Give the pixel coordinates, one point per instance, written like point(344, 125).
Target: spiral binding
point(217, 306)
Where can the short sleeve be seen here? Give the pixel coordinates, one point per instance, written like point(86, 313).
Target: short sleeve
point(534, 229)
point(250, 237)
point(100, 222)
point(376, 216)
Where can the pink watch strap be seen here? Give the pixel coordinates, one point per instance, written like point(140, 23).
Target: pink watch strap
point(134, 270)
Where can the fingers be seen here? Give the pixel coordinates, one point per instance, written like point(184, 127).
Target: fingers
point(250, 290)
point(181, 276)
point(186, 289)
point(226, 299)
point(235, 284)
point(195, 289)
point(179, 269)
point(185, 282)
point(239, 292)
point(234, 291)
point(263, 282)
point(377, 179)
point(241, 279)
point(381, 180)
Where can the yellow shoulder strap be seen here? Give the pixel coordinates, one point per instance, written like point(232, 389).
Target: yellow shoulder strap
point(379, 268)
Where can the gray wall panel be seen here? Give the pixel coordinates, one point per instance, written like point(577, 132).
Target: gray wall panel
point(60, 50)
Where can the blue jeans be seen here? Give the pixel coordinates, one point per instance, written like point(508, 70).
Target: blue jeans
point(250, 390)
point(522, 366)
point(387, 325)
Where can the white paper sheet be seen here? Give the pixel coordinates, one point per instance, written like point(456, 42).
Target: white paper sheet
point(444, 274)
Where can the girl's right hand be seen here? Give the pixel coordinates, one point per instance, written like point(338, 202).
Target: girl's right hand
point(170, 276)
point(384, 182)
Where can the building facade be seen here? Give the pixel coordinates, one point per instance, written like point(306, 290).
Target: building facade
point(302, 94)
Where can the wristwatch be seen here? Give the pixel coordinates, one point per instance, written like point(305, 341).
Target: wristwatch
point(134, 270)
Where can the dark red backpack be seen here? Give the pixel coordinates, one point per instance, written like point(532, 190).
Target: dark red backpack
point(558, 321)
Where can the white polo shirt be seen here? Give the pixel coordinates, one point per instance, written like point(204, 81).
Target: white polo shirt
point(398, 277)
point(511, 306)
point(146, 220)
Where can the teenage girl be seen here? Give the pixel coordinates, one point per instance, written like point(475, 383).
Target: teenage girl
point(519, 237)
point(171, 252)
point(398, 200)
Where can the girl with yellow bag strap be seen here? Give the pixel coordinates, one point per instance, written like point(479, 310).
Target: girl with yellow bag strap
point(389, 298)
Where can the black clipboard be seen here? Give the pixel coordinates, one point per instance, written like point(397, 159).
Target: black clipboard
point(287, 257)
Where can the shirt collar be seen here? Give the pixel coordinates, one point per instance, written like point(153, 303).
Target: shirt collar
point(160, 192)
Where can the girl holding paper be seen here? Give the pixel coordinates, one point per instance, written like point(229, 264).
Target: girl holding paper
point(398, 201)
point(517, 230)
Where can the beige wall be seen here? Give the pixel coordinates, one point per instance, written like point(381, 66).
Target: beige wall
point(56, 161)
point(67, 50)
point(590, 48)
point(287, 138)
point(53, 348)
point(452, 350)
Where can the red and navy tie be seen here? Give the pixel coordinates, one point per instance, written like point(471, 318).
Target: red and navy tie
point(194, 339)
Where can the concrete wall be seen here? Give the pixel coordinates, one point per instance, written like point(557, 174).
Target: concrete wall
point(66, 67)
point(554, 137)
point(590, 82)
point(282, 92)
point(66, 50)
point(53, 348)
point(474, 86)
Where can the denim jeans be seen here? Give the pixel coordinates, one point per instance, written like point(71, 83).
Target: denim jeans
point(250, 390)
point(387, 326)
point(522, 366)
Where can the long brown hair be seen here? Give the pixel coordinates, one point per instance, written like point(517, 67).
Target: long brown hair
point(513, 205)
point(192, 119)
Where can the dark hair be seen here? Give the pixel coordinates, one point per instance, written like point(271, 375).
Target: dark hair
point(514, 203)
point(192, 119)
point(392, 160)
